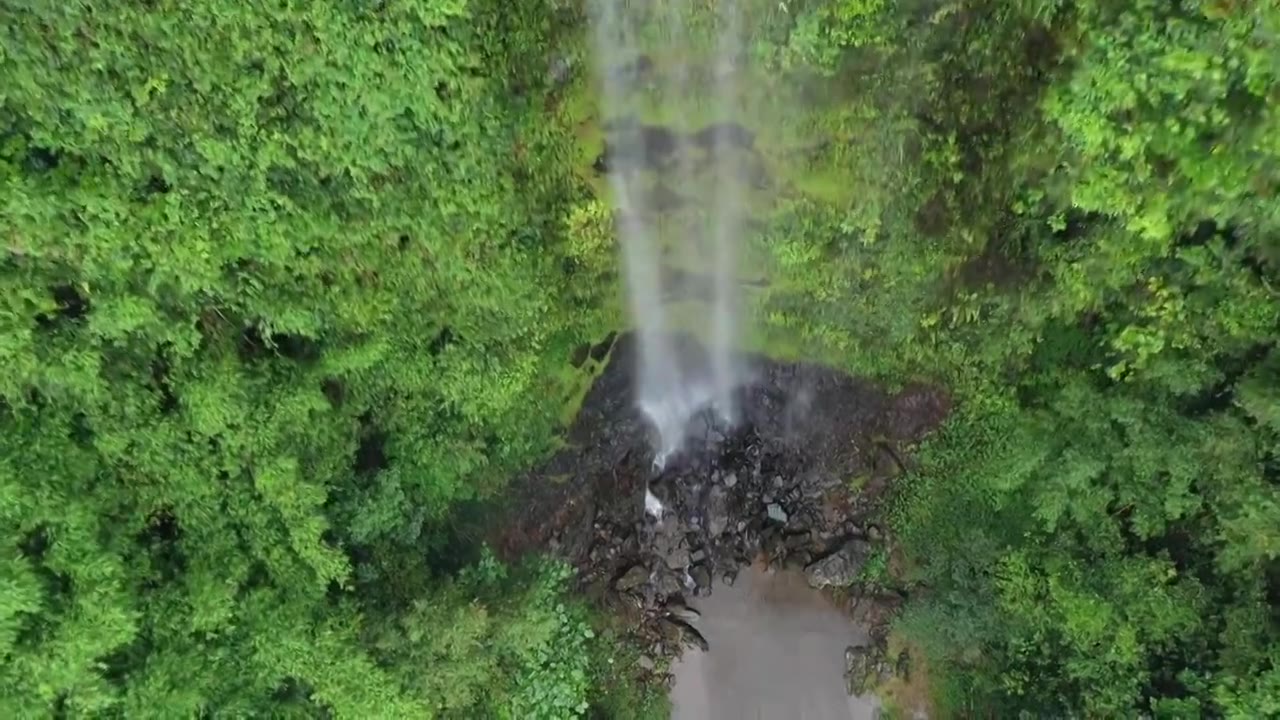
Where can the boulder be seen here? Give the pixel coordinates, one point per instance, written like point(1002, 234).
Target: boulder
point(841, 568)
point(678, 559)
point(668, 583)
point(701, 576)
point(859, 669)
point(687, 634)
point(633, 578)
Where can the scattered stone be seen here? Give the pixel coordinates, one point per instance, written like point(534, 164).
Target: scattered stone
point(633, 578)
point(731, 480)
point(840, 569)
point(683, 612)
point(859, 668)
point(698, 555)
point(668, 583)
point(687, 634)
point(776, 513)
point(646, 663)
point(678, 558)
point(701, 576)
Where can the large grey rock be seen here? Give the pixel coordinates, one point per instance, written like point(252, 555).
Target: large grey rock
point(668, 583)
point(840, 569)
point(678, 558)
point(701, 576)
point(633, 578)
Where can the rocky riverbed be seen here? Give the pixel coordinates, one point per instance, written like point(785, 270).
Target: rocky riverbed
point(794, 484)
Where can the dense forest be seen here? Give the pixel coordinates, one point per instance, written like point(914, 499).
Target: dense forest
point(290, 293)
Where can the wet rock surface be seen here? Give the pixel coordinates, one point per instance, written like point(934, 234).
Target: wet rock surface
point(841, 568)
point(773, 488)
point(866, 666)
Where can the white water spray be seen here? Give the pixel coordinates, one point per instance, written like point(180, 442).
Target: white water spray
point(671, 386)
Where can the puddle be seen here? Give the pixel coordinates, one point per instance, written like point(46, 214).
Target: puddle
point(776, 652)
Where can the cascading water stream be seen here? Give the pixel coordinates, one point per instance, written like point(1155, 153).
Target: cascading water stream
point(671, 386)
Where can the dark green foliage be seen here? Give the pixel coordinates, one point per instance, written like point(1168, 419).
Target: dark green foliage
point(286, 292)
point(1087, 253)
point(277, 289)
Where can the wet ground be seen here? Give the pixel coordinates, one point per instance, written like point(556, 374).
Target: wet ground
point(776, 649)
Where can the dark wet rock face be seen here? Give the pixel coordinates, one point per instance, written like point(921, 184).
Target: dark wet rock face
point(772, 489)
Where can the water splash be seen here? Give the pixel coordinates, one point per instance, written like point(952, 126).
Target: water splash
point(671, 386)
point(652, 505)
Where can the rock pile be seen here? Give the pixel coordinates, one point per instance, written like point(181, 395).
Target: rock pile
point(775, 488)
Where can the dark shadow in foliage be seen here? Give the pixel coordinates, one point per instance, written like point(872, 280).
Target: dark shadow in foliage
point(334, 391)
point(294, 693)
point(40, 160)
point(457, 544)
point(580, 355)
point(255, 346)
point(601, 349)
point(81, 432)
point(72, 307)
point(160, 383)
point(35, 544)
point(371, 453)
point(58, 588)
point(1221, 395)
point(932, 219)
point(1273, 583)
point(1254, 259)
point(441, 341)
point(161, 538)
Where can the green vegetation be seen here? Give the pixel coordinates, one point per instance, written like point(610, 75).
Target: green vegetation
point(282, 286)
point(1084, 246)
point(288, 291)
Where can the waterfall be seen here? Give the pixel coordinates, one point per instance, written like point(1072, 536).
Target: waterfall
point(647, 50)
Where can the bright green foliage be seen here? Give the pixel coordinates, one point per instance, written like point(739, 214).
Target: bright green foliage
point(277, 289)
point(492, 644)
point(286, 289)
point(1067, 212)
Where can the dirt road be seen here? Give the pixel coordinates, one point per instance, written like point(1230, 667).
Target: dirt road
point(776, 653)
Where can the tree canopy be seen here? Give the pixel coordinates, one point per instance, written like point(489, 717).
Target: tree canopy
point(287, 289)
